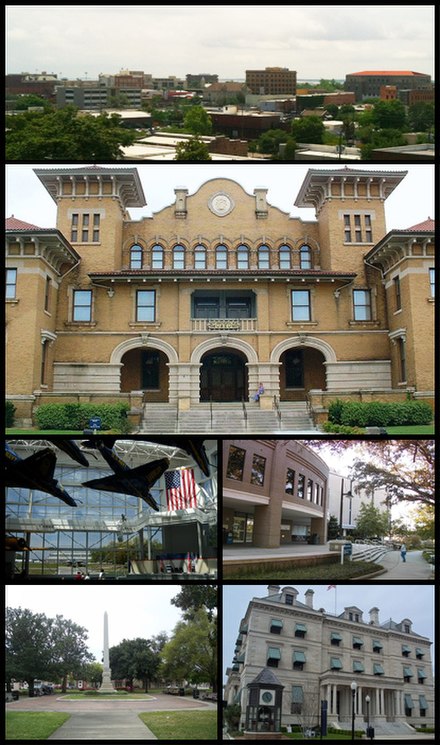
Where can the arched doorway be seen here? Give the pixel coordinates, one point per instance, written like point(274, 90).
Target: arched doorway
point(301, 369)
point(223, 376)
point(145, 369)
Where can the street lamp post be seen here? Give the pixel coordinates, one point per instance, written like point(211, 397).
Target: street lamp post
point(367, 701)
point(353, 687)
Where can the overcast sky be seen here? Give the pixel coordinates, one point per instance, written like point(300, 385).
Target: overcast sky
point(141, 611)
point(318, 41)
point(415, 602)
point(410, 203)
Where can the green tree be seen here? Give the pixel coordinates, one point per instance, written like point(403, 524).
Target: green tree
point(69, 648)
point(193, 149)
point(378, 139)
point(269, 142)
point(332, 109)
point(333, 528)
point(193, 597)
point(198, 121)
point(371, 522)
point(92, 673)
point(424, 520)
point(310, 129)
point(191, 654)
point(22, 103)
point(421, 116)
point(389, 115)
point(65, 135)
point(28, 648)
point(134, 658)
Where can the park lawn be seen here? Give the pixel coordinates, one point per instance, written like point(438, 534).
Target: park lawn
point(348, 570)
point(30, 725)
point(182, 725)
point(427, 429)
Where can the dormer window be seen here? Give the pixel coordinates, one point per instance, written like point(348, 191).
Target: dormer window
point(407, 628)
point(288, 599)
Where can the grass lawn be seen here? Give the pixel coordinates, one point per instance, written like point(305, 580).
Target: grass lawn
point(323, 571)
point(182, 725)
point(38, 725)
point(427, 429)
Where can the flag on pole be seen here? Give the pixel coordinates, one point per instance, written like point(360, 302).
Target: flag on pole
point(180, 489)
point(331, 587)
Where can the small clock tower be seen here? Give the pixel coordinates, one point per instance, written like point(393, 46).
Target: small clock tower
point(263, 713)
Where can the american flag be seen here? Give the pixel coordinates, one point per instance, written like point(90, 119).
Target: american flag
point(180, 489)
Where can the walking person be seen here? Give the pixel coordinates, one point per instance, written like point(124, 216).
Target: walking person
point(403, 552)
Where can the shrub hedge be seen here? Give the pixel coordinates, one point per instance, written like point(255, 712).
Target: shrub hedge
point(376, 414)
point(9, 414)
point(76, 416)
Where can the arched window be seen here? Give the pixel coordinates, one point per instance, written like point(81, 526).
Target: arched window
point(284, 256)
point(221, 257)
point(305, 257)
point(136, 257)
point(178, 257)
point(242, 257)
point(263, 257)
point(157, 257)
point(200, 257)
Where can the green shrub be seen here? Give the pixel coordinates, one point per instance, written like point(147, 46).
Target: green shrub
point(377, 414)
point(9, 414)
point(335, 411)
point(341, 429)
point(77, 416)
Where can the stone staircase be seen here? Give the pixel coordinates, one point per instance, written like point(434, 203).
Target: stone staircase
point(227, 418)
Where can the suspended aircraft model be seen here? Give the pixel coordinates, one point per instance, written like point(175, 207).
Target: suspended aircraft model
point(35, 472)
point(136, 482)
point(193, 446)
point(71, 448)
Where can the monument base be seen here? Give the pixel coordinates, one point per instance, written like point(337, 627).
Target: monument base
point(256, 736)
point(106, 685)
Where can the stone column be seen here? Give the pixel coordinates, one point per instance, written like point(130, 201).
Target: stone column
point(335, 688)
point(377, 703)
point(106, 686)
point(359, 708)
point(329, 699)
point(382, 702)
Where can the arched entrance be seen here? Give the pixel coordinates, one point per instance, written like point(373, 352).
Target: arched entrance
point(301, 369)
point(223, 376)
point(145, 369)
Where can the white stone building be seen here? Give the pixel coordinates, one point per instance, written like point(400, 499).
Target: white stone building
point(345, 507)
point(317, 655)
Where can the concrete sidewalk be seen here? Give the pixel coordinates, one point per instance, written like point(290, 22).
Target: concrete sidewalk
point(108, 725)
point(415, 566)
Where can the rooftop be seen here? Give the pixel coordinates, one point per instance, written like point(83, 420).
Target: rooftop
point(12, 223)
point(387, 72)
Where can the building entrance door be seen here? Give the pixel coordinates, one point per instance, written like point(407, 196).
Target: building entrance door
point(223, 377)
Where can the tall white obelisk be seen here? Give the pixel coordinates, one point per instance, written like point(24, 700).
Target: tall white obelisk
point(106, 686)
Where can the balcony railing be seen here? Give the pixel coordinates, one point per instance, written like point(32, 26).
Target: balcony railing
point(224, 324)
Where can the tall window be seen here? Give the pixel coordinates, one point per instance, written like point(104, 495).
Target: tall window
point(178, 257)
point(200, 257)
point(284, 257)
point(397, 296)
point(402, 358)
point(290, 481)
point(362, 305)
point(82, 305)
point(85, 228)
point(11, 283)
point(263, 257)
point(136, 257)
point(242, 257)
point(47, 294)
point(358, 229)
point(146, 305)
point(235, 463)
point(347, 229)
point(301, 305)
point(96, 226)
point(305, 257)
point(300, 487)
point(221, 257)
point(432, 281)
point(74, 228)
point(44, 351)
point(258, 467)
point(368, 229)
point(157, 257)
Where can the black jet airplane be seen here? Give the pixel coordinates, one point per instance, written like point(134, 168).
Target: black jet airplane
point(136, 482)
point(35, 472)
point(71, 448)
point(194, 447)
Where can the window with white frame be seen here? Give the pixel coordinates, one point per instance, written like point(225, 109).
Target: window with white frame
point(362, 305)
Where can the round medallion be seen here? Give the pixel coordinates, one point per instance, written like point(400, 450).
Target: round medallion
point(267, 697)
point(221, 204)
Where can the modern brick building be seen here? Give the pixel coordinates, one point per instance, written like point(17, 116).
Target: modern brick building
point(274, 492)
point(317, 656)
point(367, 84)
point(215, 294)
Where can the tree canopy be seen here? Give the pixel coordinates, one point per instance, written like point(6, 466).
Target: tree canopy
point(65, 135)
point(193, 149)
point(310, 130)
point(197, 120)
point(191, 654)
point(371, 522)
point(193, 597)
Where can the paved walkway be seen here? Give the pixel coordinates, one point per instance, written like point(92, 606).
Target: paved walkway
point(109, 725)
point(415, 566)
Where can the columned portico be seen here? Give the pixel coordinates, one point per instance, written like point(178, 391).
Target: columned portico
point(385, 705)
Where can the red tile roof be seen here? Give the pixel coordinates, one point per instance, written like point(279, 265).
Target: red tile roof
point(422, 226)
point(386, 72)
point(13, 224)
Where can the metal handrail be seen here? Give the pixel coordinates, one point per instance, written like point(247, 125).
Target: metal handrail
point(245, 414)
point(210, 411)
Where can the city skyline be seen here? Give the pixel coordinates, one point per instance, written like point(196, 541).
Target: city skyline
point(162, 40)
